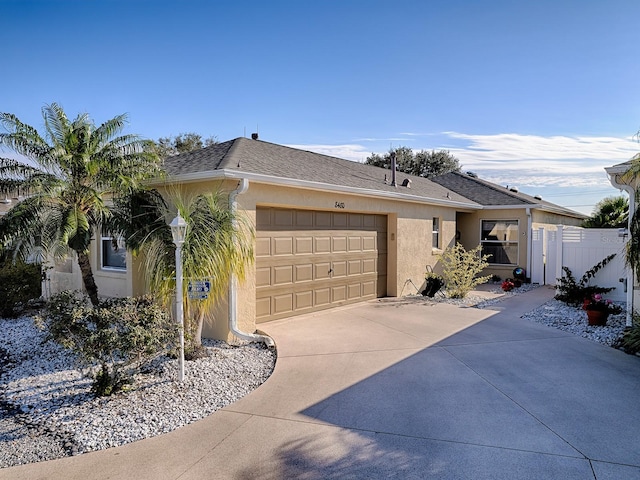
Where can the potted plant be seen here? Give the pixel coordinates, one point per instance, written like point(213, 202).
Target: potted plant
point(433, 283)
point(598, 309)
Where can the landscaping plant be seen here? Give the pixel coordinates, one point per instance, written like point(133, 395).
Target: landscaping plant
point(114, 339)
point(574, 292)
point(20, 282)
point(630, 341)
point(460, 269)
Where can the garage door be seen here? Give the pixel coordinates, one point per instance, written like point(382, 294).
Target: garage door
point(311, 260)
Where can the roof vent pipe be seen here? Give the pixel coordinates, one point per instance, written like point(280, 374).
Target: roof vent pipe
point(254, 136)
point(393, 169)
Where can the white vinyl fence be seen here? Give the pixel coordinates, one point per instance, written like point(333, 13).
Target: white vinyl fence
point(579, 249)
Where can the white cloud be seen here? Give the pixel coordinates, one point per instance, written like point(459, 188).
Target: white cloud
point(510, 146)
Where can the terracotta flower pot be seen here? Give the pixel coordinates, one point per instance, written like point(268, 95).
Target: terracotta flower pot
point(597, 317)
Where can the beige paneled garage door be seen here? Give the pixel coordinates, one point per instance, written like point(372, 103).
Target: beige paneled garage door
point(308, 260)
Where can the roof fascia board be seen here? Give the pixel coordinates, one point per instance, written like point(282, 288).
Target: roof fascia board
point(256, 177)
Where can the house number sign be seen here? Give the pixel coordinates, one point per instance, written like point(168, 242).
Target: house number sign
point(339, 204)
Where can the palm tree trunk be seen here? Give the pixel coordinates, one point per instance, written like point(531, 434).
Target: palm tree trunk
point(87, 278)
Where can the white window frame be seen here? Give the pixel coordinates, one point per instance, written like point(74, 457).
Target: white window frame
point(436, 231)
point(120, 242)
point(498, 242)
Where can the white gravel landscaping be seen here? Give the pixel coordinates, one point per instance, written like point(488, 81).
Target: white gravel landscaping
point(47, 410)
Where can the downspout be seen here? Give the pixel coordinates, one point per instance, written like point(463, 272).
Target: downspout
point(529, 240)
point(233, 284)
point(630, 274)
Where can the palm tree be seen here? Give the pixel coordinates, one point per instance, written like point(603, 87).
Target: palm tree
point(70, 176)
point(611, 212)
point(218, 244)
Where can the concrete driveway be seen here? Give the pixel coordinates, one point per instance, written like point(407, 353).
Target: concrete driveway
point(404, 389)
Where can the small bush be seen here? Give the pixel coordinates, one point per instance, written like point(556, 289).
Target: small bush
point(574, 292)
point(115, 338)
point(19, 283)
point(460, 269)
point(630, 341)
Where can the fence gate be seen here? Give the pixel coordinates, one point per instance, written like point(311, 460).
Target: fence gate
point(579, 249)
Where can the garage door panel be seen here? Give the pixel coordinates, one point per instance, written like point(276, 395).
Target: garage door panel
point(340, 220)
point(339, 269)
point(355, 267)
point(310, 260)
point(369, 243)
point(369, 265)
point(322, 244)
point(322, 271)
point(339, 244)
point(304, 245)
point(283, 218)
point(369, 288)
point(304, 218)
point(282, 303)
point(263, 307)
point(354, 291)
point(322, 297)
point(282, 275)
point(263, 277)
point(263, 247)
point(355, 244)
point(304, 299)
point(338, 293)
point(303, 273)
point(282, 245)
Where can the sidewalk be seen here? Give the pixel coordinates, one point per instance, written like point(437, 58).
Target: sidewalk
point(406, 390)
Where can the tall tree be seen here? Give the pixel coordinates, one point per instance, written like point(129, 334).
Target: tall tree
point(423, 164)
point(185, 142)
point(71, 176)
point(611, 212)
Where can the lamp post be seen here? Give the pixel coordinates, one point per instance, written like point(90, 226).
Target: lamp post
point(179, 232)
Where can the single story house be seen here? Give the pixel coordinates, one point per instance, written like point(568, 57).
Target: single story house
point(331, 231)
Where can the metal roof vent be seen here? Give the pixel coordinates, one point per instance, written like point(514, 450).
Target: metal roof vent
point(538, 197)
point(472, 175)
point(406, 183)
point(254, 136)
point(513, 189)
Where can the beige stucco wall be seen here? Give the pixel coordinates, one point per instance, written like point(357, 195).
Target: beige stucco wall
point(409, 233)
point(469, 225)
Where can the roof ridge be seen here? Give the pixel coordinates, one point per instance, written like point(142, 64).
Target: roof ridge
point(497, 188)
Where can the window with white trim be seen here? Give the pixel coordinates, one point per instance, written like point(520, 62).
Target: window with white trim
point(113, 253)
point(435, 233)
point(499, 238)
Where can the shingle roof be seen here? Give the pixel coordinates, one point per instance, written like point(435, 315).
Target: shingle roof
point(490, 194)
point(244, 155)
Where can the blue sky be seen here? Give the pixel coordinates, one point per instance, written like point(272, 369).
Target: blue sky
point(539, 95)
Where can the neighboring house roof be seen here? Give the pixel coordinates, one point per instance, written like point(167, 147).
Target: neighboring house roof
point(277, 164)
point(492, 195)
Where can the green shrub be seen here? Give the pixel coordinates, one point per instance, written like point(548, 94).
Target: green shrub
point(20, 282)
point(574, 292)
point(460, 269)
point(116, 338)
point(630, 341)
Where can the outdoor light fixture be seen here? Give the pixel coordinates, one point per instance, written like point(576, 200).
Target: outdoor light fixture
point(179, 232)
